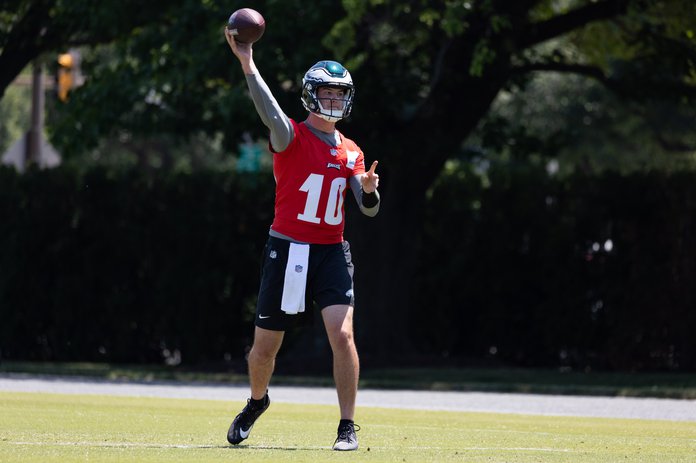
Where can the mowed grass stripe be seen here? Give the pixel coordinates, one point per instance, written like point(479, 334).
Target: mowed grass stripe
point(58, 428)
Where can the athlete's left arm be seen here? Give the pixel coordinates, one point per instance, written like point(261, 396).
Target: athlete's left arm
point(364, 187)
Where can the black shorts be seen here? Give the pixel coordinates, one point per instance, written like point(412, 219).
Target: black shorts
point(329, 281)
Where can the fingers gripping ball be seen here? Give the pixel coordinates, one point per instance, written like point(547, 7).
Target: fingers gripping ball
point(246, 25)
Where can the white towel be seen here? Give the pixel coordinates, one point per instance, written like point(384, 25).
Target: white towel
point(295, 279)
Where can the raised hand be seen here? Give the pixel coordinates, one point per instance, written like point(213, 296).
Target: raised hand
point(370, 179)
point(242, 51)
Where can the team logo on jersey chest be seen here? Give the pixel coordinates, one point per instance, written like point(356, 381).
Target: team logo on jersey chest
point(333, 152)
point(330, 165)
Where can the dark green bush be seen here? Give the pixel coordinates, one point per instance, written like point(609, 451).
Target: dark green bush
point(582, 272)
point(530, 270)
point(129, 267)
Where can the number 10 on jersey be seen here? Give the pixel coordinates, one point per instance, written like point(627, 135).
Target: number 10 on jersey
point(334, 205)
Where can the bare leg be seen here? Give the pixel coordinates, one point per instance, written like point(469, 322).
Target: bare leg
point(338, 320)
point(262, 360)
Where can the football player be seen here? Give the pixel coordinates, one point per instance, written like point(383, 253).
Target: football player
point(306, 259)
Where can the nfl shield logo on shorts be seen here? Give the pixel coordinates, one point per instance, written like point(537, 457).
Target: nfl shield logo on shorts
point(298, 268)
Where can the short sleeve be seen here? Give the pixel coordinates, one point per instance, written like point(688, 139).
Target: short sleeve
point(355, 161)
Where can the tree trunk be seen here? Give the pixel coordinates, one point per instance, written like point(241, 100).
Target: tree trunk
point(387, 249)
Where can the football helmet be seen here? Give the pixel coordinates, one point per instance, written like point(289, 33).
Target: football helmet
point(327, 74)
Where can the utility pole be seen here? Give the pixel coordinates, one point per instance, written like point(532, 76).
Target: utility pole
point(33, 148)
point(33, 144)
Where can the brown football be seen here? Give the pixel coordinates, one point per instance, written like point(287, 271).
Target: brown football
point(246, 25)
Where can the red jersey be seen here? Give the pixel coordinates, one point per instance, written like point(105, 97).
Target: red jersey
point(311, 182)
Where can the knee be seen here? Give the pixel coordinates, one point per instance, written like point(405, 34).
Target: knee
point(260, 355)
point(343, 340)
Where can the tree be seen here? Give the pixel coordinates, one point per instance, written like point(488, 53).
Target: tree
point(568, 124)
point(440, 83)
point(29, 29)
point(188, 83)
point(427, 73)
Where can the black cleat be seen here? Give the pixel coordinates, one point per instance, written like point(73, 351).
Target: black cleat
point(346, 440)
point(242, 424)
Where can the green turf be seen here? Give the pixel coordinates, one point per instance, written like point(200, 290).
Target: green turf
point(61, 428)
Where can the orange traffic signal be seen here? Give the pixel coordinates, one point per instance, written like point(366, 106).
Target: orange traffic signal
point(65, 75)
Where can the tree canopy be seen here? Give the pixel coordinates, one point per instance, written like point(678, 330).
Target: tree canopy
point(164, 68)
point(31, 28)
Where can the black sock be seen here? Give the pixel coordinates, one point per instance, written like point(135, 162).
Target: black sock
point(344, 422)
point(260, 403)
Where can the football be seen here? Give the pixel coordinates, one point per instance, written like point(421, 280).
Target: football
point(246, 25)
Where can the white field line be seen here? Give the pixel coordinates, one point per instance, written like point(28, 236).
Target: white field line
point(146, 445)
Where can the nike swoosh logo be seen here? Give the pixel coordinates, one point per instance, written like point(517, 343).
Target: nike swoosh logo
point(262, 316)
point(244, 434)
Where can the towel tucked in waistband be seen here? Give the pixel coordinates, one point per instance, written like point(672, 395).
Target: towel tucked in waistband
point(293, 300)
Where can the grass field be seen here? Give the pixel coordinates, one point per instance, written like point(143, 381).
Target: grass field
point(66, 428)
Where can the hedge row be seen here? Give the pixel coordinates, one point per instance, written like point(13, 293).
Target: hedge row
point(582, 272)
point(128, 267)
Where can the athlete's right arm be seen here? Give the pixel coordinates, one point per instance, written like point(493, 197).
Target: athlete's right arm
point(272, 116)
point(266, 105)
